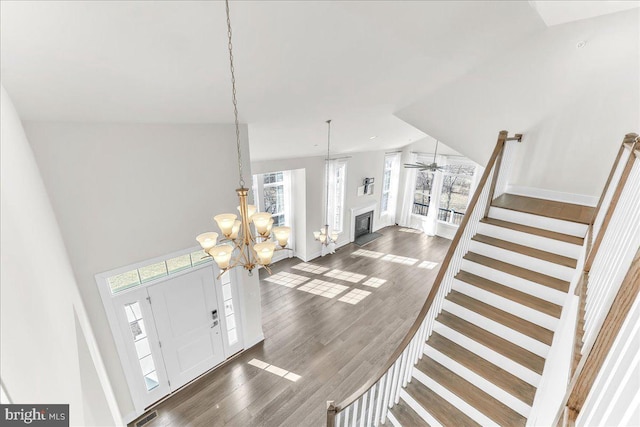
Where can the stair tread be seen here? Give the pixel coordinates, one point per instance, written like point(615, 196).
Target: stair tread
point(523, 273)
point(526, 250)
point(507, 319)
point(547, 208)
point(499, 345)
point(510, 293)
point(492, 373)
point(483, 402)
point(439, 408)
point(533, 230)
point(406, 416)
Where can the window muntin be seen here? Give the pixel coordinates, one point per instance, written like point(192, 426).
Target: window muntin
point(150, 272)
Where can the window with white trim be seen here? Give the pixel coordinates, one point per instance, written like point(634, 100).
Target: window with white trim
point(272, 193)
point(452, 190)
point(390, 183)
point(337, 176)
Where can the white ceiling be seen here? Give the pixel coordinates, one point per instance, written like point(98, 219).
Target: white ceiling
point(298, 63)
point(562, 11)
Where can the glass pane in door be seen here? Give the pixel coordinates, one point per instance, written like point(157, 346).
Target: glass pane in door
point(141, 341)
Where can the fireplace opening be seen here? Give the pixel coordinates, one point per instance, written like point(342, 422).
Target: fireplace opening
point(363, 224)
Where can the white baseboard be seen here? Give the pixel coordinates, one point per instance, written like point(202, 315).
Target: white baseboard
point(541, 193)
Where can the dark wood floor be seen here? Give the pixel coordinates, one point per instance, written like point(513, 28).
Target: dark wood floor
point(334, 346)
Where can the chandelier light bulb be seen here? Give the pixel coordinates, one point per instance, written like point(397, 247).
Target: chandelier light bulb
point(264, 252)
point(222, 255)
point(251, 209)
point(261, 221)
point(282, 235)
point(226, 222)
point(207, 240)
point(235, 230)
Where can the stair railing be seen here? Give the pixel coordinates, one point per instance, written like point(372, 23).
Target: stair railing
point(368, 406)
point(610, 279)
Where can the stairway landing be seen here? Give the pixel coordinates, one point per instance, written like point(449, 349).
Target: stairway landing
point(547, 208)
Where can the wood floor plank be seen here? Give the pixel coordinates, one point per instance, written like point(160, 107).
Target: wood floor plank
point(406, 416)
point(334, 346)
point(483, 402)
point(514, 295)
point(498, 376)
point(548, 208)
point(439, 408)
point(526, 250)
point(523, 273)
point(533, 230)
point(507, 319)
point(499, 345)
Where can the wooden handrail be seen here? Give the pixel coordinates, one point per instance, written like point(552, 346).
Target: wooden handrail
point(628, 138)
point(437, 282)
point(631, 138)
point(593, 359)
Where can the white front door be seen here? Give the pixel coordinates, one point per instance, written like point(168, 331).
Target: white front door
point(186, 315)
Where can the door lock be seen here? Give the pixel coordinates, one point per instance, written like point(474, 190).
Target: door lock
point(214, 314)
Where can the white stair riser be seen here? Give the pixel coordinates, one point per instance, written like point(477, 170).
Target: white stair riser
point(524, 261)
point(523, 285)
point(515, 337)
point(527, 313)
point(418, 409)
point(537, 221)
point(450, 397)
point(489, 355)
point(480, 382)
point(531, 240)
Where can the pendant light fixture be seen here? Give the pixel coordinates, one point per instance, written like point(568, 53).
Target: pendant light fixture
point(325, 236)
point(241, 247)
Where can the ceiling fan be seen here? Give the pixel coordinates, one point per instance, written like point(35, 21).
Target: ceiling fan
point(432, 167)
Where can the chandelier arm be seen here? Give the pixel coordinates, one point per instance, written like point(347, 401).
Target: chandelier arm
point(235, 101)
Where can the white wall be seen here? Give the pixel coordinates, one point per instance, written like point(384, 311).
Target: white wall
point(359, 166)
point(127, 193)
point(573, 105)
point(47, 350)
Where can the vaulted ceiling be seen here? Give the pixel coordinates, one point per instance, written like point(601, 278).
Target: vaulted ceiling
point(298, 63)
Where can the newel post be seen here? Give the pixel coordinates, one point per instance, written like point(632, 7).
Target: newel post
point(331, 413)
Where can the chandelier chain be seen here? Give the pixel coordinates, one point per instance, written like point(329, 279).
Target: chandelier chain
point(235, 101)
point(327, 178)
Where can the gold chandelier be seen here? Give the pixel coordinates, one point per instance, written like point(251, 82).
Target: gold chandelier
point(251, 248)
point(326, 237)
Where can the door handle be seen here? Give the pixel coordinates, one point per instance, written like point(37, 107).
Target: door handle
point(215, 323)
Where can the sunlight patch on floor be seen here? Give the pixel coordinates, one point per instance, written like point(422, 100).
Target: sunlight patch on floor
point(368, 254)
point(355, 296)
point(345, 275)
point(374, 282)
point(310, 268)
point(399, 259)
point(428, 265)
point(287, 279)
point(322, 288)
point(274, 370)
point(410, 230)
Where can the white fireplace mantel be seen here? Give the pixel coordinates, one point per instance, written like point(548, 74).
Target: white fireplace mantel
point(359, 211)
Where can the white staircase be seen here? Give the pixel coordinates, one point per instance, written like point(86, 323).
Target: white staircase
point(484, 360)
